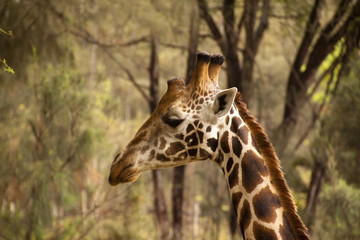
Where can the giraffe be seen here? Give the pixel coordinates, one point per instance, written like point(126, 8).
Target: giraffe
point(199, 121)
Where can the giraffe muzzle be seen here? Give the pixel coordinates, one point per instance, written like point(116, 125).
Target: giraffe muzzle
point(123, 170)
point(128, 174)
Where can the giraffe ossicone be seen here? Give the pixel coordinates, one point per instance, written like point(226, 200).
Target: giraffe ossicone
point(199, 121)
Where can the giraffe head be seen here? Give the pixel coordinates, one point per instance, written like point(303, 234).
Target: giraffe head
point(183, 128)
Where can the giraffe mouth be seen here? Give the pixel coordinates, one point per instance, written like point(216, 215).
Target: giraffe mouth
point(124, 175)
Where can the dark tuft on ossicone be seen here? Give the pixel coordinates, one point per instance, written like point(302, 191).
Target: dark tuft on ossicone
point(203, 57)
point(217, 59)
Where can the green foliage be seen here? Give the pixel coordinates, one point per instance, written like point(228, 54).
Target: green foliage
point(7, 68)
point(330, 79)
point(341, 125)
point(56, 141)
point(339, 212)
point(336, 148)
point(8, 33)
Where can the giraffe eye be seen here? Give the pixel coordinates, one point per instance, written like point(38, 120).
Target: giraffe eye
point(172, 121)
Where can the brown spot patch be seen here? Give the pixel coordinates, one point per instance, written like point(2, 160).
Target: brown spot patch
point(196, 122)
point(219, 158)
point(236, 145)
point(192, 140)
point(201, 126)
point(208, 129)
point(235, 124)
point(229, 164)
point(192, 152)
point(204, 154)
point(143, 149)
point(162, 157)
point(252, 168)
point(263, 233)
point(224, 142)
point(234, 176)
point(181, 156)
point(201, 101)
point(174, 148)
point(243, 133)
point(152, 154)
point(189, 128)
point(156, 143)
point(162, 143)
point(180, 136)
point(212, 143)
point(245, 215)
point(265, 203)
point(285, 229)
point(236, 198)
point(227, 119)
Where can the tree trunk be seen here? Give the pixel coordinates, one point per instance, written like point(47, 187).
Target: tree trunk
point(344, 27)
point(234, 71)
point(239, 75)
point(317, 178)
point(177, 201)
point(179, 172)
point(159, 198)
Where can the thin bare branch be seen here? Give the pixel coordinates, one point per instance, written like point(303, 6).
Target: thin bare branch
point(204, 10)
point(173, 45)
point(85, 35)
point(263, 24)
point(229, 20)
point(128, 73)
point(328, 94)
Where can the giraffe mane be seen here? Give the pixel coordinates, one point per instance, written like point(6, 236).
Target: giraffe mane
point(273, 165)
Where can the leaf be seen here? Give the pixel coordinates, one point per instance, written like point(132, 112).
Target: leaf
point(9, 33)
point(7, 67)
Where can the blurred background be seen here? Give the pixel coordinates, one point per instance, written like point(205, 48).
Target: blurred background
point(78, 78)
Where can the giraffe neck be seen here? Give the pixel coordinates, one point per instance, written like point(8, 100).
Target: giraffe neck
point(256, 202)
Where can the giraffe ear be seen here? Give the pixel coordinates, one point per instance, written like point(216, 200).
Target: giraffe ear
point(223, 101)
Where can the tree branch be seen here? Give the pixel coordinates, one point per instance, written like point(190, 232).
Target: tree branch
point(263, 24)
point(229, 19)
point(128, 73)
point(250, 9)
point(312, 26)
point(330, 36)
point(85, 35)
point(204, 10)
